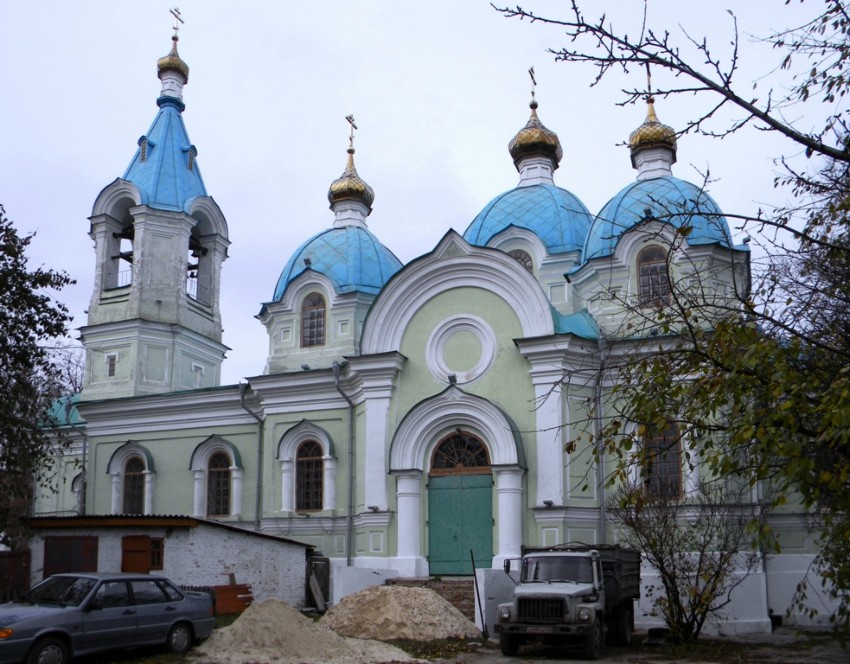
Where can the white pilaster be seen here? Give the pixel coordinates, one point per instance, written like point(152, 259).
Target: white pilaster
point(236, 493)
point(149, 483)
point(329, 483)
point(199, 501)
point(117, 486)
point(287, 485)
point(509, 500)
point(411, 561)
point(377, 377)
point(547, 371)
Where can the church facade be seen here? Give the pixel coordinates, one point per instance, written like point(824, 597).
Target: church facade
point(408, 415)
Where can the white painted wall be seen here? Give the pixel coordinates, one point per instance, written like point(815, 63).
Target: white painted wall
point(204, 556)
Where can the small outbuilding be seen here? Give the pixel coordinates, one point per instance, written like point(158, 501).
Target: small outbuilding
point(189, 550)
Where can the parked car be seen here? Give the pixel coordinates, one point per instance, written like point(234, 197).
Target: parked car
point(76, 614)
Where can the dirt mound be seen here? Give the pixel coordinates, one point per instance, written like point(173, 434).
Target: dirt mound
point(272, 631)
point(398, 612)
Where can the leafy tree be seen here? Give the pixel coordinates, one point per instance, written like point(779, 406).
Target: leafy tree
point(760, 386)
point(697, 543)
point(29, 379)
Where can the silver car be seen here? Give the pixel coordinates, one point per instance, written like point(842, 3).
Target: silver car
point(75, 614)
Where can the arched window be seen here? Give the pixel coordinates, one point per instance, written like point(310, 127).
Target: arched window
point(653, 280)
point(313, 320)
point(460, 453)
point(218, 485)
point(662, 470)
point(309, 474)
point(134, 486)
point(523, 258)
point(217, 474)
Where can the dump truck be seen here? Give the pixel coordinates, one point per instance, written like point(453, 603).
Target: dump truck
point(575, 594)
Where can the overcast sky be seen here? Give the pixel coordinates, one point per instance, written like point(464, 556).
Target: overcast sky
point(438, 88)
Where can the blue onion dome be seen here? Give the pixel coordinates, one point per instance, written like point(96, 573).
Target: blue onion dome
point(350, 256)
point(664, 199)
point(535, 139)
point(172, 62)
point(554, 215)
point(652, 134)
point(656, 196)
point(350, 186)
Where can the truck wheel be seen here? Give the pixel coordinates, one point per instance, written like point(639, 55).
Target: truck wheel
point(593, 645)
point(509, 644)
point(623, 627)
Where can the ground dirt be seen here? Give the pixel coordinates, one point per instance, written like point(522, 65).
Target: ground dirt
point(388, 613)
point(272, 632)
point(785, 646)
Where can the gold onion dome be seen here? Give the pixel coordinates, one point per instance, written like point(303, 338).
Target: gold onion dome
point(652, 133)
point(535, 139)
point(172, 62)
point(349, 186)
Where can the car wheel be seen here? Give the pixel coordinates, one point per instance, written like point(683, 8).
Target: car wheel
point(179, 638)
point(509, 644)
point(593, 645)
point(49, 651)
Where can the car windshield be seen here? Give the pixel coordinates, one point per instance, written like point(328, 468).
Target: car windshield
point(565, 568)
point(62, 590)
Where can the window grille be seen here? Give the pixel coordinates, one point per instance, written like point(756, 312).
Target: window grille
point(218, 485)
point(460, 452)
point(663, 463)
point(653, 279)
point(309, 482)
point(313, 320)
point(134, 486)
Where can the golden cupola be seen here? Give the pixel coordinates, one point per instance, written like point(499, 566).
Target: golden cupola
point(535, 140)
point(350, 187)
point(652, 134)
point(172, 62)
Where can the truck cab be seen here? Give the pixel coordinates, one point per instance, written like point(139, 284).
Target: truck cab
point(574, 594)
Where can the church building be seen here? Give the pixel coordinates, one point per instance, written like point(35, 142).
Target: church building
point(407, 414)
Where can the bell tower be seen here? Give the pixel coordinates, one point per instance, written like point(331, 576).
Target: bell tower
point(154, 323)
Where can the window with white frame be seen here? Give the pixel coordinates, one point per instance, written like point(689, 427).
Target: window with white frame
point(313, 313)
point(653, 278)
point(662, 463)
point(217, 473)
point(308, 469)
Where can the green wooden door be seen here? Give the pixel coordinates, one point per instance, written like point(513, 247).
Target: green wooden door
point(460, 518)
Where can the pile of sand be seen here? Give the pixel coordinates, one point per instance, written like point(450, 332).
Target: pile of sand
point(273, 632)
point(398, 612)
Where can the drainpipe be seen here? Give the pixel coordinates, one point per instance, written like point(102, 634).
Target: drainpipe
point(597, 426)
point(258, 507)
point(349, 537)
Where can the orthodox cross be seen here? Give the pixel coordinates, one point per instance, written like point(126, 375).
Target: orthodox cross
point(533, 82)
point(350, 119)
point(648, 84)
point(177, 20)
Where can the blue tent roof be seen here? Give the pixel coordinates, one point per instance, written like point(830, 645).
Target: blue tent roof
point(665, 199)
point(556, 216)
point(164, 178)
point(351, 257)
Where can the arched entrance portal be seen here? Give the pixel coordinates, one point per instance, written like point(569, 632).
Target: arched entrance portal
point(460, 505)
